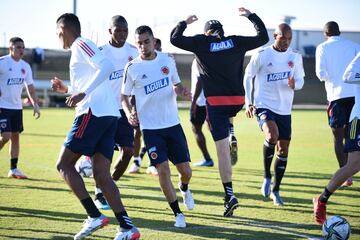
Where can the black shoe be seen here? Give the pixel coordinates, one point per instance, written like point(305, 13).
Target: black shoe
point(230, 206)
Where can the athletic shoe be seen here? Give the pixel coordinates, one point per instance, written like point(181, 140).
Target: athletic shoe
point(275, 196)
point(16, 173)
point(204, 163)
point(347, 183)
point(127, 234)
point(233, 150)
point(151, 170)
point(230, 206)
point(265, 188)
point(180, 221)
point(101, 202)
point(188, 199)
point(134, 169)
point(319, 210)
point(91, 225)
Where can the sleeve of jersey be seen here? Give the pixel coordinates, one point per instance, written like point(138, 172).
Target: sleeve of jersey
point(29, 76)
point(179, 40)
point(97, 60)
point(320, 67)
point(299, 73)
point(174, 76)
point(127, 86)
point(352, 72)
point(250, 72)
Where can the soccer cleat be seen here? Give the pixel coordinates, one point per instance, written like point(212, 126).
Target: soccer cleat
point(319, 210)
point(230, 206)
point(180, 221)
point(101, 202)
point(134, 169)
point(204, 163)
point(127, 234)
point(151, 170)
point(265, 188)
point(233, 150)
point(347, 183)
point(275, 196)
point(188, 199)
point(91, 225)
point(16, 173)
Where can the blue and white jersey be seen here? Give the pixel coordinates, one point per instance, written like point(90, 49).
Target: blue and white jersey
point(201, 100)
point(119, 58)
point(152, 81)
point(14, 75)
point(352, 75)
point(272, 70)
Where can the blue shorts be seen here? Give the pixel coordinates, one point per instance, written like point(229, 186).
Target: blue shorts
point(218, 118)
point(90, 134)
point(124, 136)
point(352, 142)
point(283, 122)
point(11, 120)
point(339, 112)
point(167, 143)
point(199, 116)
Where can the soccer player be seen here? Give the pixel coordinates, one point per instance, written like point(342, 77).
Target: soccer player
point(219, 58)
point(139, 151)
point(15, 73)
point(278, 71)
point(153, 79)
point(94, 127)
point(198, 115)
point(330, 69)
point(352, 145)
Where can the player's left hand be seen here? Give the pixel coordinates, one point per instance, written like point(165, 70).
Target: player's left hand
point(244, 12)
point(36, 113)
point(190, 19)
point(74, 99)
point(291, 82)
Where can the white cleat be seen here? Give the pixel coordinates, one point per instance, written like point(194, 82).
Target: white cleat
point(180, 221)
point(91, 225)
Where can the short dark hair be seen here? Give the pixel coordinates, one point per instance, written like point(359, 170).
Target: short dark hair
point(144, 29)
point(331, 29)
point(14, 40)
point(214, 27)
point(117, 19)
point(71, 21)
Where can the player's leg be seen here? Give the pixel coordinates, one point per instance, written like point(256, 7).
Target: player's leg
point(233, 143)
point(135, 166)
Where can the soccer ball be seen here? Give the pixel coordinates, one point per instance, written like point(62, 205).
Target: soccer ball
point(336, 228)
point(84, 167)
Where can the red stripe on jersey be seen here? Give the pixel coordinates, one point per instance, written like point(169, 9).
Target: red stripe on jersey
point(86, 48)
point(80, 132)
point(225, 100)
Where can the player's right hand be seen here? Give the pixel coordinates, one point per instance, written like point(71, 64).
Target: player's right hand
point(57, 85)
point(244, 12)
point(250, 111)
point(190, 19)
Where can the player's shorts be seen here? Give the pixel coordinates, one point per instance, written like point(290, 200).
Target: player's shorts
point(218, 119)
point(352, 142)
point(339, 112)
point(124, 136)
point(199, 116)
point(11, 120)
point(167, 143)
point(90, 134)
point(283, 122)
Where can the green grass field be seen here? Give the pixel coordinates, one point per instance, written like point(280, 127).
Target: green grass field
point(43, 207)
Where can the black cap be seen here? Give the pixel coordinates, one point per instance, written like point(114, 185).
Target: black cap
point(212, 25)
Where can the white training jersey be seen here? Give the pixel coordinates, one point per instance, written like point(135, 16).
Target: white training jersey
point(151, 81)
point(352, 75)
point(271, 70)
point(201, 100)
point(13, 76)
point(119, 58)
point(89, 72)
point(332, 58)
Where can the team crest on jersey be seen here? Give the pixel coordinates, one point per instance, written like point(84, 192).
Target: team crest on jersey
point(220, 46)
point(130, 58)
point(154, 86)
point(23, 71)
point(291, 64)
point(272, 77)
point(165, 70)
